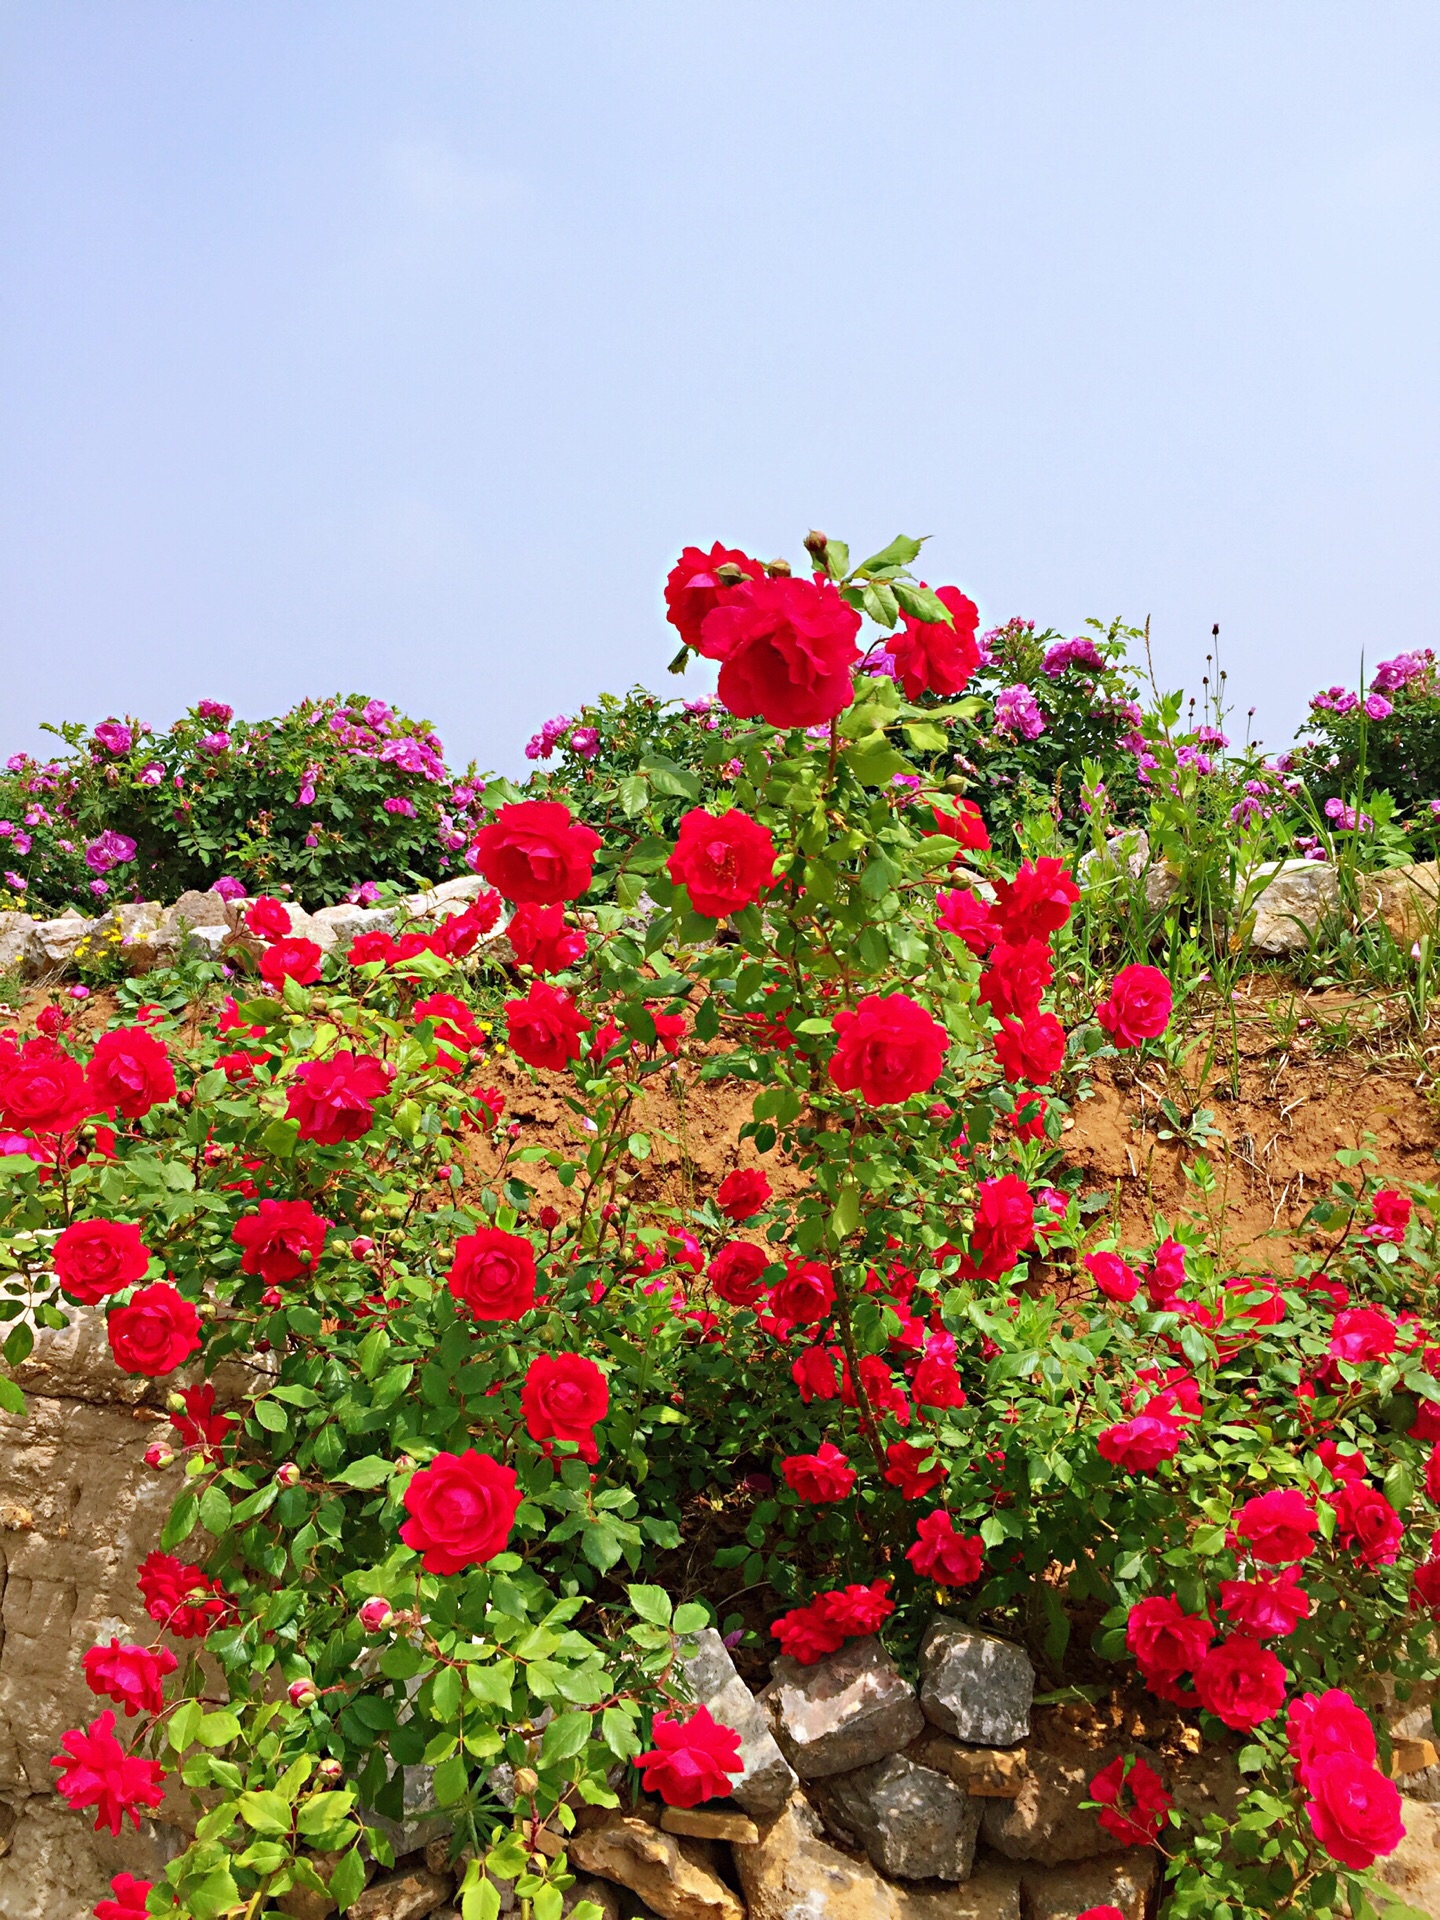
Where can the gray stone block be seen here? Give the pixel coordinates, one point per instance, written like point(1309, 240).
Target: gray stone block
point(768, 1780)
point(975, 1686)
point(912, 1822)
point(846, 1711)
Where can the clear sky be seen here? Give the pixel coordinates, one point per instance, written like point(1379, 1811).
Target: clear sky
point(397, 348)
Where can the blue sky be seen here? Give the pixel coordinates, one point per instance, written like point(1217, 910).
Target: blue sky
point(397, 348)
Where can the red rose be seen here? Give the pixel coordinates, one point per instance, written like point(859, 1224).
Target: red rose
point(462, 1508)
point(1137, 1007)
point(365, 947)
point(724, 861)
point(889, 1049)
point(333, 1099)
point(786, 650)
point(96, 1771)
point(735, 1272)
point(1140, 1445)
point(1390, 1216)
point(536, 850)
point(1342, 1465)
point(1101, 1913)
point(1241, 1683)
point(1166, 1641)
point(694, 587)
point(1125, 1778)
point(907, 1469)
point(494, 1274)
point(185, 1601)
point(804, 1296)
point(1016, 977)
point(880, 1389)
point(456, 1034)
point(157, 1332)
point(1265, 1609)
point(1319, 1724)
point(964, 824)
point(1360, 1334)
point(815, 1374)
point(1354, 1810)
point(857, 1610)
point(1278, 1527)
point(539, 938)
point(95, 1258)
point(42, 1090)
point(819, 1477)
point(933, 656)
point(458, 934)
point(1031, 1049)
point(268, 918)
point(940, 1554)
point(1425, 1583)
point(280, 1242)
point(130, 1071)
point(1366, 1522)
point(291, 959)
point(743, 1193)
point(1004, 1227)
point(1112, 1276)
point(563, 1398)
point(969, 918)
point(937, 1382)
point(130, 1676)
point(545, 1027)
point(200, 1425)
point(693, 1759)
point(130, 1899)
point(1037, 901)
point(806, 1635)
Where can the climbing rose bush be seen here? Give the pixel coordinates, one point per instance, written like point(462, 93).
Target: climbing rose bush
point(438, 1393)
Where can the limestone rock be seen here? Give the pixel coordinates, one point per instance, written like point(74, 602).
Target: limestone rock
point(1289, 899)
point(985, 1773)
point(196, 909)
point(846, 1711)
point(973, 1685)
point(669, 1874)
point(768, 1779)
point(792, 1874)
point(56, 1868)
point(1407, 899)
point(404, 1896)
point(337, 926)
point(991, 1893)
point(1046, 1822)
point(449, 896)
point(15, 931)
point(1413, 1870)
point(139, 923)
point(705, 1823)
point(52, 943)
point(914, 1823)
point(1122, 1880)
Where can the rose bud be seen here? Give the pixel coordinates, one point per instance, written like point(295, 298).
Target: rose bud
point(376, 1614)
point(361, 1245)
point(303, 1693)
point(175, 1402)
point(527, 1781)
point(815, 545)
point(288, 1475)
point(549, 1219)
point(329, 1769)
point(272, 1297)
point(158, 1455)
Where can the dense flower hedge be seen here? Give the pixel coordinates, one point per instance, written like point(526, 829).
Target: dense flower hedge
point(444, 1427)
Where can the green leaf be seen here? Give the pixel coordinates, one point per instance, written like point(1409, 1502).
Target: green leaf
point(218, 1729)
point(270, 1416)
point(19, 1344)
point(212, 1895)
point(651, 1603)
point(900, 552)
point(279, 1138)
point(12, 1400)
point(925, 738)
point(364, 1474)
point(875, 766)
point(445, 1693)
point(214, 1511)
point(691, 1618)
point(565, 1736)
point(347, 1882)
point(181, 1523)
point(322, 1811)
point(921, 604)
point(450, 1780)
point(668, 777)
point(879, 603)
point(183, 1724)
point(295, 996)
point(845, 1215)
point(1399, 1486)
point(265, 1812)
point(480, 1902)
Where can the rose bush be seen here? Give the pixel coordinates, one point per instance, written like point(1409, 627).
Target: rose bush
point(445, 1430)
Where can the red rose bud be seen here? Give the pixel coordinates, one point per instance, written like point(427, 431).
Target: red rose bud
point(303, 1693)
point(329, 1769)
point(549, 1219)
point(288, 1475)
point(272, 1298)
point(376, 1614)
point(158, 1455)
point(361, 1245)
